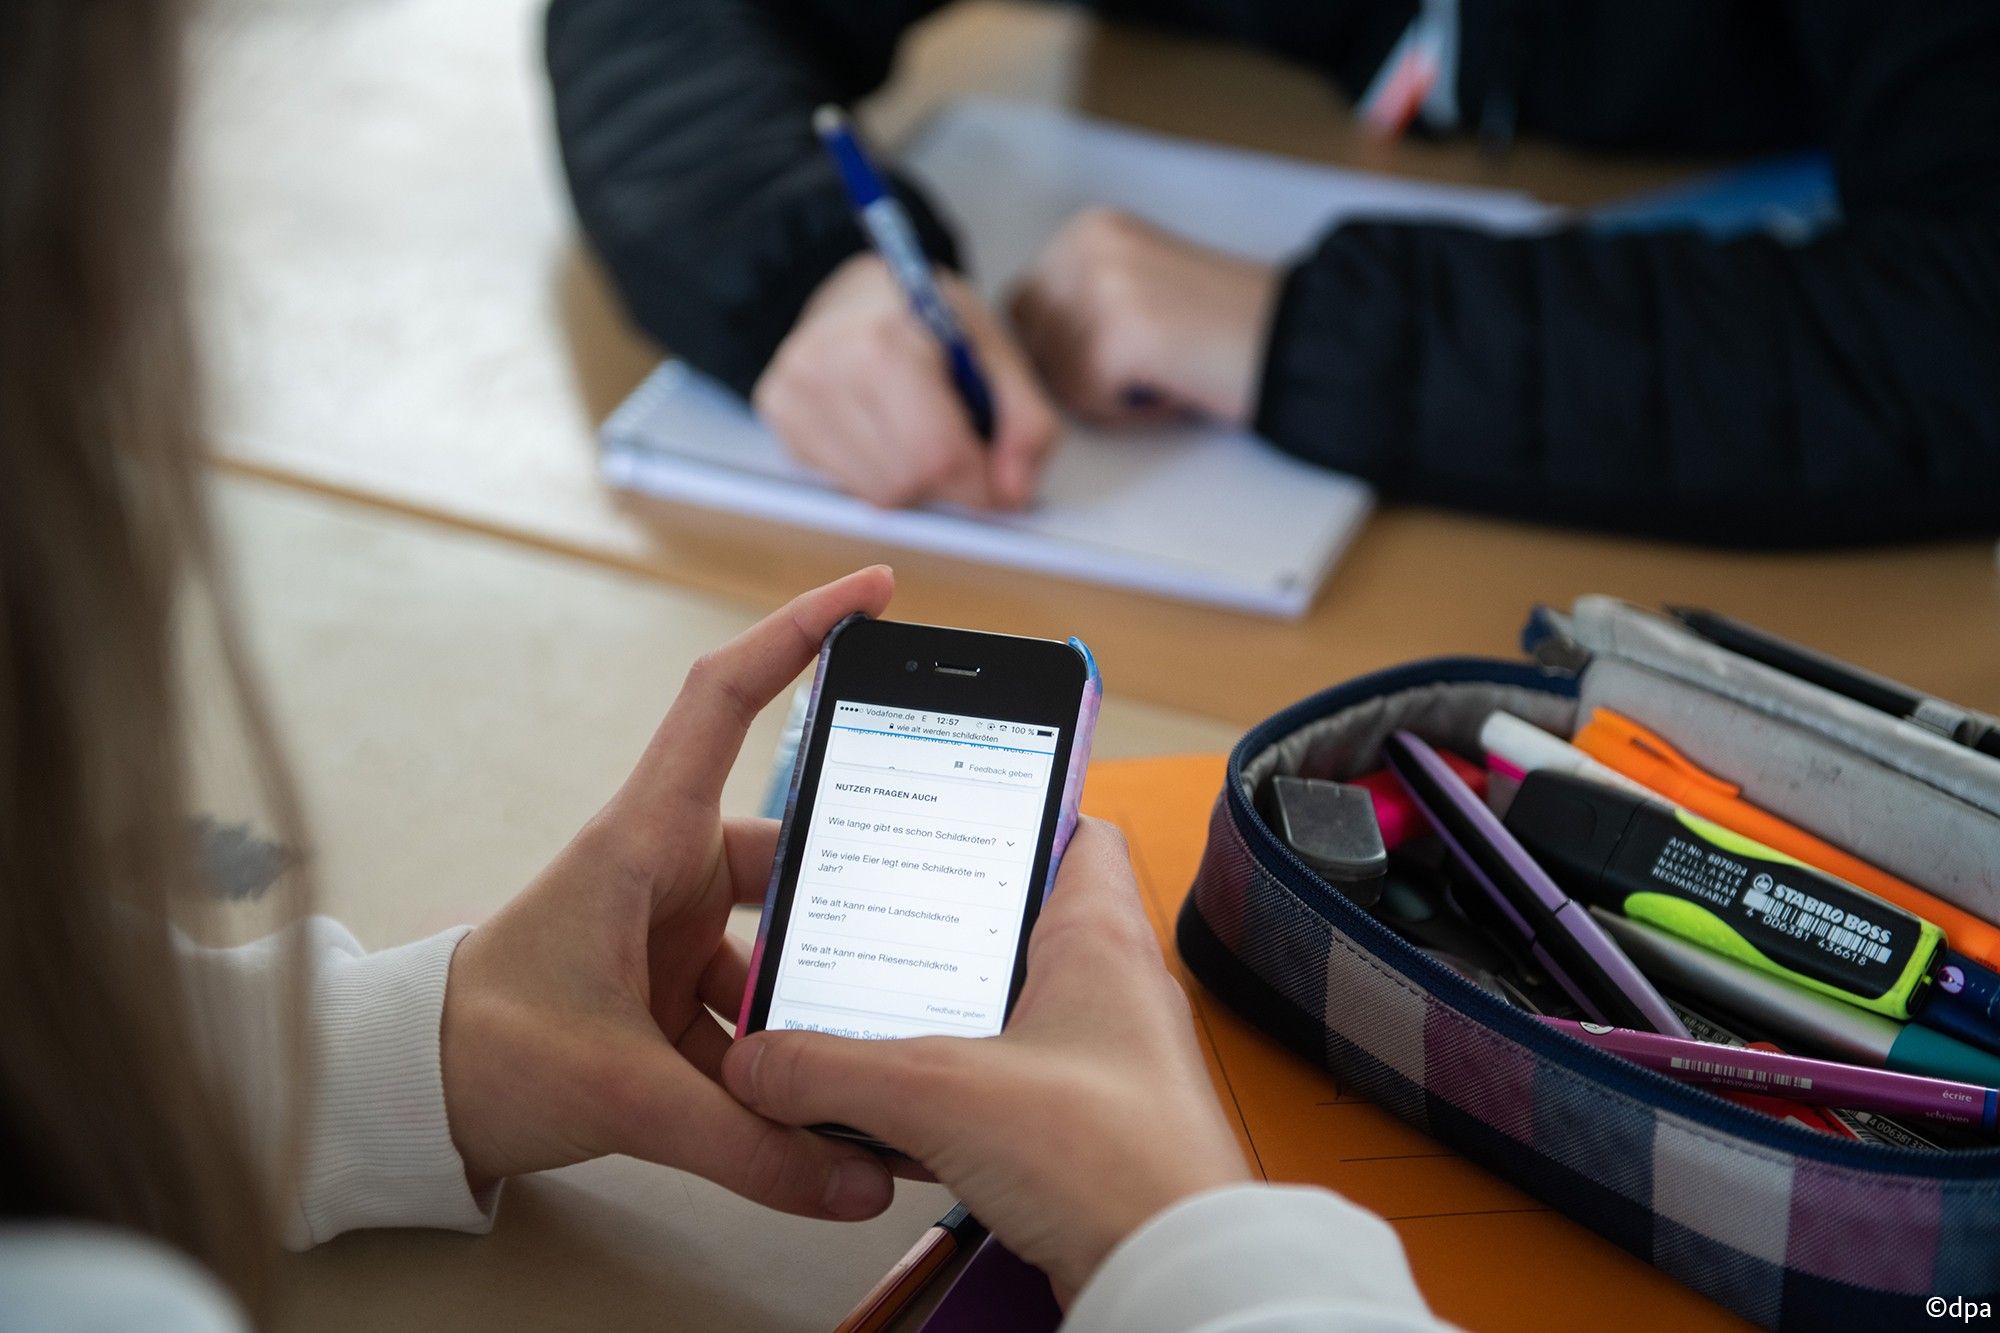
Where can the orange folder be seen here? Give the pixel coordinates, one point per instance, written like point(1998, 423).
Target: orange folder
point(1486, 1255)
point(1616, 741)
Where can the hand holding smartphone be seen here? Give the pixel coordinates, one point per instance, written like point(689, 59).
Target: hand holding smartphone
point(935, 789)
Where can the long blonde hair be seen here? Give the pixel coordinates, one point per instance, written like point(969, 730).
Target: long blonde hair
point(106, 1113)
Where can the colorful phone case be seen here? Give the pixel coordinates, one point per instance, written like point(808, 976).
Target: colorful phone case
point(1072, 798)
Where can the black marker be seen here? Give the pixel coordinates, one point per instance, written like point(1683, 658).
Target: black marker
point(1973, 730)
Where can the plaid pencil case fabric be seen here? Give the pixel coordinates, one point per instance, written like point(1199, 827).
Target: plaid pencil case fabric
point(1790, 1228)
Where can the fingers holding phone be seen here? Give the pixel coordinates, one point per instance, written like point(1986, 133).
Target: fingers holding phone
point(1091, 1113)
point(576, 1020)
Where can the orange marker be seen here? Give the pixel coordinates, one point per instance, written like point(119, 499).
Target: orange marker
point(956, 1231)
point(1620, 743)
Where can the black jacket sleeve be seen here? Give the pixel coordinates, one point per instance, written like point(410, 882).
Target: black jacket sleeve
point(685, 132)
point(685, 128)
point(1746, 393)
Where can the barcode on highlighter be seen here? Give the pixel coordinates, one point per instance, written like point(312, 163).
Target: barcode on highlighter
point(1777, 915)
point(1739, 1071)
point(1842, 938)
point(1782, 916)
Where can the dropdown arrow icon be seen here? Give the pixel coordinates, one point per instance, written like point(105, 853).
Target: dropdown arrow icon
point(993, 930)
point(985, 978)
point(1010, 842)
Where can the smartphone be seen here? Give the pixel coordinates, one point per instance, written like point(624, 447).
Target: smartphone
point(935, 789)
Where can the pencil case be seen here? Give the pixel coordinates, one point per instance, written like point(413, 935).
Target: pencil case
point(1790, 1228)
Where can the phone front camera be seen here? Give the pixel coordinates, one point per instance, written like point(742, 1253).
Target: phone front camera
point(910, 665)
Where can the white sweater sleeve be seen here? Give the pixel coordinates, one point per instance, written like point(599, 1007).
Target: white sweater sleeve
point(376, 1149)
point(1257, 1259)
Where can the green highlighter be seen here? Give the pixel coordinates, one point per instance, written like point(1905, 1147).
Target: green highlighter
point(1651, 862)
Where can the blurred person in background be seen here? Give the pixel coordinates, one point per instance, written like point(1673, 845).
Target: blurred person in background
point(1746, 392)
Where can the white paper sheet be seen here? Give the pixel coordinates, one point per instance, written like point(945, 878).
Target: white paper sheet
point(1194, 512)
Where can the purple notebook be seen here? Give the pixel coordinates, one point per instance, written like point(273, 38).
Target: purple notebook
point(997, 1293)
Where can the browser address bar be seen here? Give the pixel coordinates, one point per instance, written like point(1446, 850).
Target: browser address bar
point(967, 762)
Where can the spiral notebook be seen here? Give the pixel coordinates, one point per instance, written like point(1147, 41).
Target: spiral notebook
point(1195, 512)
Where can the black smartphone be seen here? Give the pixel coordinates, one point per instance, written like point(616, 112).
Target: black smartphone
point(936, 786)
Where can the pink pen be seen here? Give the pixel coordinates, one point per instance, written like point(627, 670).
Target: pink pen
point(1816, 1082)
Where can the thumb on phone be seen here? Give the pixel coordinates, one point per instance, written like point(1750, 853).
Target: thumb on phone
point(898, 1092)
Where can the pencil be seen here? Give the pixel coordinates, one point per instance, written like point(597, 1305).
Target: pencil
point(957, 1230)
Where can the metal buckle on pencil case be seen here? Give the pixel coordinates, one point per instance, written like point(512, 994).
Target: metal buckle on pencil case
point(1786, 1226)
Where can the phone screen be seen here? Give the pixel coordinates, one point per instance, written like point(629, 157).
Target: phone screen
point(919, 859)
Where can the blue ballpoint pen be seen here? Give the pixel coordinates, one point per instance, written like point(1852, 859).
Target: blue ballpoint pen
point(895, 239)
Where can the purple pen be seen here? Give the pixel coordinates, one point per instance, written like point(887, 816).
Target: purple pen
point(1815, 1082)
point(1557, 931)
